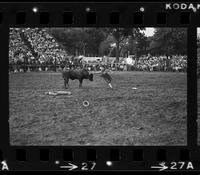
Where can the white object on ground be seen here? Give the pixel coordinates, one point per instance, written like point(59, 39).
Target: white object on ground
point(86, 103)
point(110, 85)
point(64, 93)
point(59, 93)
point(134, 88)
point(50, 93)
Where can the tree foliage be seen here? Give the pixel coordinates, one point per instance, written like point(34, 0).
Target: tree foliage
point(169, 41)
point(120, 41)
point(105, 46)
point(79, 41)
point(120, 35)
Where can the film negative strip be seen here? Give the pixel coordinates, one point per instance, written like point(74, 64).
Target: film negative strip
point(134, 102)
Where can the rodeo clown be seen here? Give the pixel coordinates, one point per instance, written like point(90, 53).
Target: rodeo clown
point(106, 76)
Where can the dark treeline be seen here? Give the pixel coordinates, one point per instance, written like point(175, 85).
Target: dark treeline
point(120, 42)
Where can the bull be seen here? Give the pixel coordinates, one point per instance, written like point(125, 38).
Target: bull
point(80, 74)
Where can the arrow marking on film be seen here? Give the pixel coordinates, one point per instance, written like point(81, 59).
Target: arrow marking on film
point(71, 166)
point(161, 167)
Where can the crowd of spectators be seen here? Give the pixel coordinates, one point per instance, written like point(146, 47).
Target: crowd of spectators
point(34, 49)
point(146, 63)
point(162, 63)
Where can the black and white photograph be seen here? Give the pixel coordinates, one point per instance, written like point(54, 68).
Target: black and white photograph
point(77, 86)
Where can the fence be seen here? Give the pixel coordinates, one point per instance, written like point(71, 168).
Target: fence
point(93, 67)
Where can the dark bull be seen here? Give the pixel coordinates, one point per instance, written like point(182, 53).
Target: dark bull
point(76, 74)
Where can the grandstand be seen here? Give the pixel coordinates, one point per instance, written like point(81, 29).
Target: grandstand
point(34, 45)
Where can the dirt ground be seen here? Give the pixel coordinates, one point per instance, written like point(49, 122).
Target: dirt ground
point(154, 114)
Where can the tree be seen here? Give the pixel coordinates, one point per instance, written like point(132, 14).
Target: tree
point(142, 44)
point(169, 41)
point(84, 41)
point(105, 46)
point(120, 34)
point(94, 38)
point(73, 39)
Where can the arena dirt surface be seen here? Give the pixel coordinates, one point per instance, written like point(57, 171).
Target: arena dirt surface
point(154, 114)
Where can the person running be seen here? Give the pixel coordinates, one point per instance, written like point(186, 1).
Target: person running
point(106, 76)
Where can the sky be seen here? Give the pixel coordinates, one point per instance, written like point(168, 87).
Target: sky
point(149, 31)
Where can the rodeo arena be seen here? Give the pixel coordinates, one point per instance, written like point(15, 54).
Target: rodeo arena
point(137, 100)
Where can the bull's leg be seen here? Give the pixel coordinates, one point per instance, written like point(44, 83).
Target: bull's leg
point(80, 82)
point(66, 83)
